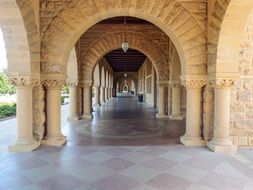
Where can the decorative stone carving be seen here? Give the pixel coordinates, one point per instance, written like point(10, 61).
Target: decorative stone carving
point(86, 83)
point(221, 83)
point(176, 84)
point(72, 84)
point(163, 83)
point(23, 81)
point(193, 83)
point(38, 112)
point(51, 83)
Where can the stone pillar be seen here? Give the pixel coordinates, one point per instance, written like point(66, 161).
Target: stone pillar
point(73, 115)
point(175, 103)
point(102, 95)
point(25, 141)
point(221, 141)
point(106, 94)
point(54, 136)
point(208, 112)
point(87, 100)
point(162, 107)
point(192, 136)
point(97, 96)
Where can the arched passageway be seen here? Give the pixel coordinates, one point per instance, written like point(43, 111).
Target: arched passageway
point(172, 34)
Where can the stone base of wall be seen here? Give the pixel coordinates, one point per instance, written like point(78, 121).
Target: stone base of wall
point(242, 141)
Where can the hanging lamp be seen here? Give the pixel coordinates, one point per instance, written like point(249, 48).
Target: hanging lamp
point(125, 44)
point(125, 74)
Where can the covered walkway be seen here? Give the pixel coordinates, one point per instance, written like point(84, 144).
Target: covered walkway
point(123, 148)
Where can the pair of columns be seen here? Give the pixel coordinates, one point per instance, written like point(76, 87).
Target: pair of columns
point(221, 140)
point(24, 137)
point(176, 95)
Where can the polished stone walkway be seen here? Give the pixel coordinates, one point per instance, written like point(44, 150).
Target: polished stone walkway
point(123, 148)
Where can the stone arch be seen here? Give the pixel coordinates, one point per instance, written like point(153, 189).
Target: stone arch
point(130, 76)
point(96, 76)
point(21, 37)
point(139, 42)
point(170, 15)
point(226, 27)
point(72, 68)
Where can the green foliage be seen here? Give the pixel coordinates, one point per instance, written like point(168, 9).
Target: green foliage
point(7, 110)
point(5, 86)
point(63, 98)
point(65, 89)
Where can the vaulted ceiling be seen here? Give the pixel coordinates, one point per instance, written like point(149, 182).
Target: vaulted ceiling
point(121, 61)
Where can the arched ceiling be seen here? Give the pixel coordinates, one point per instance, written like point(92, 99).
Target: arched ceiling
point(129, 61)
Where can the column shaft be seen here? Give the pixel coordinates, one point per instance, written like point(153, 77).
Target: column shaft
point(175, 104)
point(221, 141)
point(73, 102)
point(87, 102)
point(161, 112)
point(192, 136)
point(24, 134)
point(54, 136)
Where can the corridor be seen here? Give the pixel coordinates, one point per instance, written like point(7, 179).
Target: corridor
point(123, 148)
point(124, 121)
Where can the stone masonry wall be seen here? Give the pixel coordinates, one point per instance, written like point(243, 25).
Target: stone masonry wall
point(241, 116)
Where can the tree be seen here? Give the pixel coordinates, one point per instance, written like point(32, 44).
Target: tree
point(5, 86)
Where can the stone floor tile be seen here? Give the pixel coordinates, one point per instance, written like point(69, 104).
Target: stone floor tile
point(117, 164)
point(61, 182)
point(175, 156)
point(43, 172)
point(187, 172)
point(98, 157)
point(91, 173)
point(117, 151)
point(136, 157)
point(217, 181)
point(140, 173)
point(167, 182)
point(159, 164)
point(115, 182)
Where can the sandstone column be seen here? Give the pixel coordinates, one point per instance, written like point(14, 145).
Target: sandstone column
point(106, 94)
point(208, 112)
point(175, 103)
point(162, 87)
point(54, 136)
point(97, 96)
point(73, 115)
point(87, 100)
point(192, 136)
point(25, 141)
point(221, 141)
point(102, 95)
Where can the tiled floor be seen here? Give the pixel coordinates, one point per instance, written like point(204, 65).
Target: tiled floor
point(120, 150)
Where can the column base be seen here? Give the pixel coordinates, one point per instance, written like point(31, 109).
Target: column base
point(161, 116)
point(73, 118)
point(21, 146)
point(55, 141)
point(87, 116)
point(222, 146)
point(192, 141)
point(102, 103)
point(176, 117)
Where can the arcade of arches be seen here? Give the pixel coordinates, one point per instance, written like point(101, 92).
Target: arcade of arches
point(190, 59)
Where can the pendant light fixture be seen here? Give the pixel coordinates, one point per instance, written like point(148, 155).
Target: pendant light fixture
point(125, 74)
point(125, 44)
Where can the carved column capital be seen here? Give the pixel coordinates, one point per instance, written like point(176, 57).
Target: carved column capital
point(163, 83)
point(221, 83)
point(193, 83)
point(176, 84)
point(86, 83)
point(53, 84)
point(22, 82)
point(72, 84)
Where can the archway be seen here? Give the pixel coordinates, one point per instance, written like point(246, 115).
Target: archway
point(164, 16)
